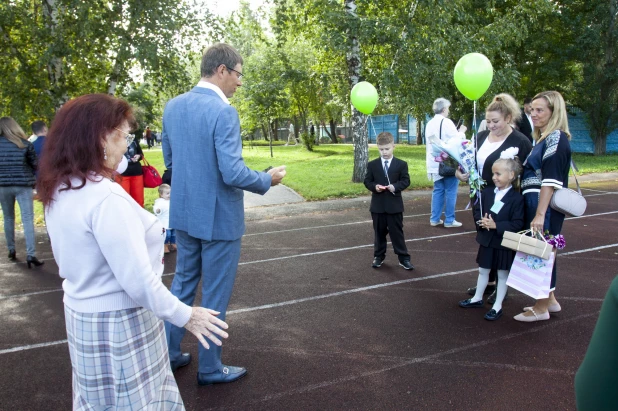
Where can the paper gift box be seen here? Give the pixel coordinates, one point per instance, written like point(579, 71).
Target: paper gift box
point(531, 275)
point(529, 245)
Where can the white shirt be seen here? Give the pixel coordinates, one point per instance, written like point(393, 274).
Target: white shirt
point(216, 89)
point(109, 251)
point(433, 129)
point(161, 209)
point(501, 193)
point(390, 163)
point(487, 148)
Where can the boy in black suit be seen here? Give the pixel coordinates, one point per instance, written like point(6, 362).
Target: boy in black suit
point(386, 178)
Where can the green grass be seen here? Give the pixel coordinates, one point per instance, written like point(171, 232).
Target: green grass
point(326, 172)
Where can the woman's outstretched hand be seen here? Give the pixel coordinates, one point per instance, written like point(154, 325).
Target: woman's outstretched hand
point(204, 322)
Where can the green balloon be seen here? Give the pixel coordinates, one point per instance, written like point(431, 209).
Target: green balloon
point(473, 75)
point(364, 97)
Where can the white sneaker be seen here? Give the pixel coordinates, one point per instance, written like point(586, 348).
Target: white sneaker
point(454, 224)
point(435, 223)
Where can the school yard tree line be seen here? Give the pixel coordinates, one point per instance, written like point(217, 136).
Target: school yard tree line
point(302, 57)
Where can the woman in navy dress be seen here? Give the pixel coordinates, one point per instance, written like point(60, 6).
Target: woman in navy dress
point(546, 170)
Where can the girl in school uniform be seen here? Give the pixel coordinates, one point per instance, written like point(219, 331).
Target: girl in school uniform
point(503, 210)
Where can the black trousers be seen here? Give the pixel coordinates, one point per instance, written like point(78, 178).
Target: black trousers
point(391, 224)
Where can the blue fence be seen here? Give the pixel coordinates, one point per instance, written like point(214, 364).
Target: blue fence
point(378, 124)
point(581, 142)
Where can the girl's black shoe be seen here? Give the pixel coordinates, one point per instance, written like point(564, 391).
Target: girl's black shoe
point(33, 260)
point(12, 256)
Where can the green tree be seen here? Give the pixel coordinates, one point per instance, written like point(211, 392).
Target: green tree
point(593, 46)
point(58, 49)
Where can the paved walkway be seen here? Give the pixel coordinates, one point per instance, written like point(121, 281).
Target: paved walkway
point(269, 205)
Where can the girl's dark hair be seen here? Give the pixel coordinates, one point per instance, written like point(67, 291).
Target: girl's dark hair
point(74, 144)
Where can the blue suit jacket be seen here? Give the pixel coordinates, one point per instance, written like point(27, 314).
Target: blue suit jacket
point(202, 143)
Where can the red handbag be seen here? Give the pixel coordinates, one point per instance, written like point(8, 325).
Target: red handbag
point(152, 179)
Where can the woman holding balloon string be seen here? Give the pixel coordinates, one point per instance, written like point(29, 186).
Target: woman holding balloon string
point(500, 135)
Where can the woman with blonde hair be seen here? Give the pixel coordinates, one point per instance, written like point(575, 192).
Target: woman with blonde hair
point(546, 170)
point(500, 135)
point(18, 163)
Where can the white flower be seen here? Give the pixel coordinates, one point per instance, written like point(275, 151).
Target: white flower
point(509, 153)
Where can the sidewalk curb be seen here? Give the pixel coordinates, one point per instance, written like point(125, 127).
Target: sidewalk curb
point(270, 211)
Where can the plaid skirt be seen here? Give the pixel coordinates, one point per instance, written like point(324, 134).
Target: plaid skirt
point(120, 361)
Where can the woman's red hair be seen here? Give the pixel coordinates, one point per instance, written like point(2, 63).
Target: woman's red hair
point(74, 143)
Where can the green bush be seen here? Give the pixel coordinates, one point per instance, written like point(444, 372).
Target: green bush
point(307, 140)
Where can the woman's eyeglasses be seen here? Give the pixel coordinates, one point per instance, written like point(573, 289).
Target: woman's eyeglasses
point(129, 137)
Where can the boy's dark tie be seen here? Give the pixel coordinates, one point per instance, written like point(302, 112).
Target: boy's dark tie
point(386, 167)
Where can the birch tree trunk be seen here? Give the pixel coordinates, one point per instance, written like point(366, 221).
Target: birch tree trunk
point(55, 65)
point(353, 60)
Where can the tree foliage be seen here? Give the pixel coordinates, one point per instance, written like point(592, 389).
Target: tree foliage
point(57, 49)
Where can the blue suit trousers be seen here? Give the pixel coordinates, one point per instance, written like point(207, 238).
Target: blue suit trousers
point(215, 263)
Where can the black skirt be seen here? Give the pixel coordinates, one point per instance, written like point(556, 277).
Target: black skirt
point(494, 258)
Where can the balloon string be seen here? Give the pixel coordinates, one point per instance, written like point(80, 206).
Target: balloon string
point(476, 147)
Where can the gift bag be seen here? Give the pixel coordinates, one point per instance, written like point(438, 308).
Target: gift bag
point(152, 179)
point(531, 274)
point(530, 245)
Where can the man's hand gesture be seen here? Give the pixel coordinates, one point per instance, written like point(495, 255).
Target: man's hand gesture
point(276, 175)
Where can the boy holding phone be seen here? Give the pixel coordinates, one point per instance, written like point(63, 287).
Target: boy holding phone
point(386, 178)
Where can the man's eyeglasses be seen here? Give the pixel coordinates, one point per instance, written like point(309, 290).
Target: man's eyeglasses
point(235, 71)
point(129, 137)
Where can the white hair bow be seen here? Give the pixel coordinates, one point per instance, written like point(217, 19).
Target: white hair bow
point(509, 153)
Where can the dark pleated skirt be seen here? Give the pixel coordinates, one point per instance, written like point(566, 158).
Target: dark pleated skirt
point(494, 258)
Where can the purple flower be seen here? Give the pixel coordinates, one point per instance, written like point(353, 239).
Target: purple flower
point(438, 159)
point(557, 241)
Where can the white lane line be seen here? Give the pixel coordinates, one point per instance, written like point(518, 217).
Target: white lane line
point(4, 297)
point(318, 297)
point(358, 356)
point(331, 225)
point(420, 360)
point(598, 195)
point(597, 191)
point(591, 215)
point(408, 216)
point(337, 250)
point(351, 291)
point(32, 346)
point(602, 247)
point(512, 367)
point(372, 287)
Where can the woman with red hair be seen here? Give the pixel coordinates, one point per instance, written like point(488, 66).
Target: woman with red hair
point(109, 251)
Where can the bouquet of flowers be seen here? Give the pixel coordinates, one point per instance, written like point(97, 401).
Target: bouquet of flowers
point(460, 153)
point(556, 241)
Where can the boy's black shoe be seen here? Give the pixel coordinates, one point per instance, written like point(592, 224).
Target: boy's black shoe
point(406, 264)
point(377, 262)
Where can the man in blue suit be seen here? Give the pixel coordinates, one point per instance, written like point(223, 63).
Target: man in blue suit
point(201, 139)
